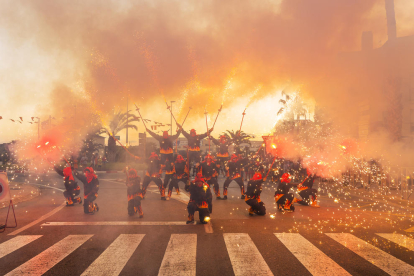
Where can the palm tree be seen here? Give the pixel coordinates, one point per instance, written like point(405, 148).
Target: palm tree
point(120, 121)
point(238, 138)
point(90, 147)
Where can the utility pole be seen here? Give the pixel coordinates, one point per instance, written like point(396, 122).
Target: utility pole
point(171, 117)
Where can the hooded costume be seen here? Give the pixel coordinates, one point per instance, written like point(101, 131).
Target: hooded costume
point(153, 173)
point(194, 145)
point(253, 191)
point(166, 144)
point(180, 174)
point(283, 198)
point(90, 189)
point(208, 170)
point(235, 166)
point(308, 194)
point(200, 200)
point(134, 193)
point(71, 186)
point(223, 151)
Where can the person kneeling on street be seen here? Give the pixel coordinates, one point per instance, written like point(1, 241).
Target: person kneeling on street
point(308, 194)
point(71, 186)
point(90, 188)
point(283, 198)
point(254, 189)
point(200, 200)
point(134, 193)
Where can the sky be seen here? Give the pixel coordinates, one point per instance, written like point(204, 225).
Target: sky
point(60, 58)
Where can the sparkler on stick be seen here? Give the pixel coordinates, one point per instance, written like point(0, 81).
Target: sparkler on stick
point(208, 131)
point(221, 107)
point(271, 166)
point(119, 142)
point(169, 108)
point(186, 116)
point(142, 119)
point(244, 113)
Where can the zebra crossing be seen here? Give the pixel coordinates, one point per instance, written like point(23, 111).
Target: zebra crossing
point(180, 256)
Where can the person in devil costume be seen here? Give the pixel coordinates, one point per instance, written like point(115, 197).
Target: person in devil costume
point(180, 174)
point(134, 193)
point(168, 166)
point(90, 189)
point(208, 171)
point(193, 141)
point(153, 173)
point(235, 166)
point(200, 200)
point(166, 144)
point(71, 186)
point(223, 152)
point(305, 191)
point(283, 198)
point(253, 191)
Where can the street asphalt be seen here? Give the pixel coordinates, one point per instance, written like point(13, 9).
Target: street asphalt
point(347, 235)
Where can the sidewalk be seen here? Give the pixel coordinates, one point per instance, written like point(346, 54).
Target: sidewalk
point(21, 192)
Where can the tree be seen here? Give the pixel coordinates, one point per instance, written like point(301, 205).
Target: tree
point(90, 147)
point(119, 122)
point(237, 138)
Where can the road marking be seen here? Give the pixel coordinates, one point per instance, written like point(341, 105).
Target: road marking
point(115, 257)
point(208, 227)
point(112, 223)
point(18, 242)
point(399, 239)
point(180, 256)
point(244, 255)
point(409, 229)
point(42, 218)
point(46, 186)
point(51, 256)
point(315, 261)
point(182, 197)
point(377, 257)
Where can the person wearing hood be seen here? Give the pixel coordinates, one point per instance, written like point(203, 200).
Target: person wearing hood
point(153, 173)
point(90, 189)
point(223, 151)
point(283, 198)
point(307, 192)
point(168, 166)
point(208, 169)
point(180, 174)
point(200, 200)
point(71, 186)
point(234, 170)
point(193, 140)
point(134, 193)
point(166, 144)
point(253, 191)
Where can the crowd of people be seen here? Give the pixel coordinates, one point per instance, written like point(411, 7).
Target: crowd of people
point(257, 168)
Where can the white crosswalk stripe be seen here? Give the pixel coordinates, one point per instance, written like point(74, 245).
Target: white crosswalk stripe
point(180, 256)
point(381, 259)
point(399, 239)
point(51, 256)
point(243, 253)
point(115, 257)
point(310, 256)
point(16, 243)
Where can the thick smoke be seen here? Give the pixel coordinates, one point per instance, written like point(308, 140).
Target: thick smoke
point(200, 53)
